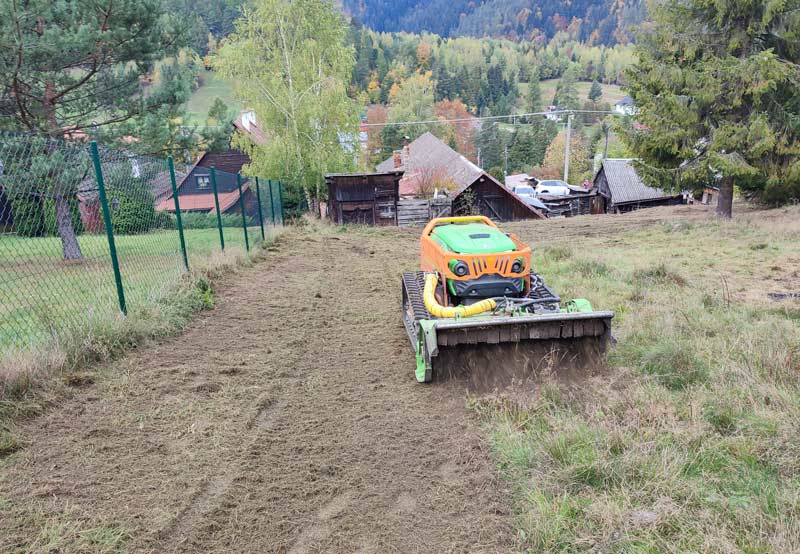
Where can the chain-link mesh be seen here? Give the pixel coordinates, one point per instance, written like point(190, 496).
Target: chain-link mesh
point(56, 270)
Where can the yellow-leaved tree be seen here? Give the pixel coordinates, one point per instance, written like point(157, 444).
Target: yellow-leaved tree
point(290, 62)
point(580, 162)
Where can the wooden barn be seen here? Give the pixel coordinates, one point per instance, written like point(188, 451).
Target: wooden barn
point(364, 198)
point(486, 196)
point(620, 189)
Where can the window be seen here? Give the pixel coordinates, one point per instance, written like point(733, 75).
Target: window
point(386, 211)
point(203, 181)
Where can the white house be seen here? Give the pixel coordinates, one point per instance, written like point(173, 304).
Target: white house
point(625, 106)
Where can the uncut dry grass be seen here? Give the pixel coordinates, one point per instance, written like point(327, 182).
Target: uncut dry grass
point(690, 440)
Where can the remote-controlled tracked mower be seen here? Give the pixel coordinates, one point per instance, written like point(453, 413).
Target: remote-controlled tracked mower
point(477, 288)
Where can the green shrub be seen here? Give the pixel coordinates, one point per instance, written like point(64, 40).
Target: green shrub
point(197, 220)
point(132, 207)
point(34, 217)
point(165, 220)
point(28, 213)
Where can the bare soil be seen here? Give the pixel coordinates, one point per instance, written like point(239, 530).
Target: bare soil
point(285, 420)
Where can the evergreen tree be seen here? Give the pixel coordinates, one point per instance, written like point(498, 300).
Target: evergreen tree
point(533, 100)
point(567, 91)
point(595, 92)
point(490, 145)
point(452, 142)
point(79, 66)
point(543, 132)
point(522, 152)
point(716, 85)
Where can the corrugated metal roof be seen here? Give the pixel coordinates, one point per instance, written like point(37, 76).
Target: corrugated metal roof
point(625, 184)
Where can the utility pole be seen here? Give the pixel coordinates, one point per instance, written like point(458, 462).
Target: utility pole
point(570, 115)
point(505, 169)
point(607, 127)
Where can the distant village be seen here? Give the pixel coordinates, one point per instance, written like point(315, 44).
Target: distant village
point(428, 179)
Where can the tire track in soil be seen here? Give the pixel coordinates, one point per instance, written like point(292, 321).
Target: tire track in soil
point(286, 420)
point(210, 497)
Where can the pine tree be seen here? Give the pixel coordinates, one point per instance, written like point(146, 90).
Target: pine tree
point(79, 66)
point(490, 145)
point(533, 100)
point(522, 152)
point(716, 85)
point(452, 142)
point(543, 132)
point(595, 92)
point(567, 90)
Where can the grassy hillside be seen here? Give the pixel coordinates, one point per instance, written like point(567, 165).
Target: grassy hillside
point(611, 93)
point(212, 87)
point(685, 440)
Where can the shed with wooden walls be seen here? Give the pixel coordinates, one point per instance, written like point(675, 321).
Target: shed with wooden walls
point(364, 198)
point(486, 196)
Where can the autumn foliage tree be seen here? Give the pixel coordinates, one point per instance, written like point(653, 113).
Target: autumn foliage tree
point(580, 157)
point(290, 62)
point(410, 101)
point(464, 129)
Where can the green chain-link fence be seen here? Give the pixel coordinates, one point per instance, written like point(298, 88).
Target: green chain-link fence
point(87, 231)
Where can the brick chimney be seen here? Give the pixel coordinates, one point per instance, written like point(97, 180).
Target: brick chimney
point(398, 159)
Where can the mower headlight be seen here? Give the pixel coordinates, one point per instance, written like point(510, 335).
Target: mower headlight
point(460, 268)
point(517, 266)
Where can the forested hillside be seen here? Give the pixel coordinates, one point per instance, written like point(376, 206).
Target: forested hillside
point(590, 21)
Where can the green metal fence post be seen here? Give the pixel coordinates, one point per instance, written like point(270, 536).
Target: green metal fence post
point(260, 209)
point(244, 215)
point(171, 165)
point(280, 196)
point(216, 205)
point(271, 201)
point(112, 247)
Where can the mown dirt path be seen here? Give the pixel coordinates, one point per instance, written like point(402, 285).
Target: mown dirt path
point(285, 420)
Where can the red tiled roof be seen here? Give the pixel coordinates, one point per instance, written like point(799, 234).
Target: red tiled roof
point(203, 202)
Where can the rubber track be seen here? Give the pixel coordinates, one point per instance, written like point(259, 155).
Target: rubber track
point(414, 284)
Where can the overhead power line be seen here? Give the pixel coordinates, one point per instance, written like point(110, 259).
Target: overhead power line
point(486, 118)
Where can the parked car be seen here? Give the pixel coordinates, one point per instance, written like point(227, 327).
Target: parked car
point(552, 187)
point(524, 190)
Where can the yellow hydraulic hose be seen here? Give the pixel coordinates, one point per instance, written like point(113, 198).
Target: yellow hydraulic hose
point(437, 310)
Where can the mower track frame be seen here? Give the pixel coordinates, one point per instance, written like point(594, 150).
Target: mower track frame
point(430, 335)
